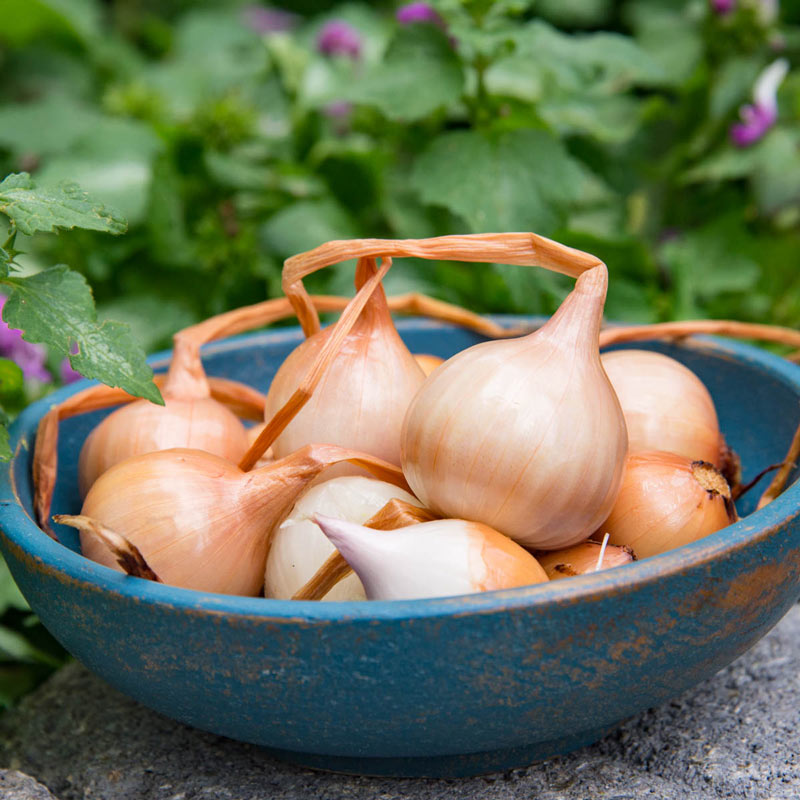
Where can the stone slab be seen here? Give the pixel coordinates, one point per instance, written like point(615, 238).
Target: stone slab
point(15, 785)
point(736, 736)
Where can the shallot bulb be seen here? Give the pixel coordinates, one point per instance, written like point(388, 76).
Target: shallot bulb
point(427, 362)
point(583, 558)
point(434, 559)
point(666, 406)
point(190, 417)
point(667, 500)
point(197, 519)
point(299, 548)
point(365, 391)
point(524, 435)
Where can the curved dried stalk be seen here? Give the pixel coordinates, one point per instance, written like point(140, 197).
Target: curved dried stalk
point(128, 555)
point(718, 327)
point(324, 358)
point(523, 249)
point(779, 481)
point(395, 514)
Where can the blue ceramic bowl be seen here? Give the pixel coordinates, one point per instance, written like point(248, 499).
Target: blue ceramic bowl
point(446, 687)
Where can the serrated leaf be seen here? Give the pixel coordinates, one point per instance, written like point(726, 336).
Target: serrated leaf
point(33, 208)
point(420, 73)
point(515, 181)
point(55, 307)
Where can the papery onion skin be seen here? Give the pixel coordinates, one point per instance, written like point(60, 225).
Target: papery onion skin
point(662, 504)
point(191, 515)
point(525, 435)
point(433, 559)
point(142, 427)
point(363, 396)
point(299, 547)
point(428, 363)
point(581, 559)
point(666, 406)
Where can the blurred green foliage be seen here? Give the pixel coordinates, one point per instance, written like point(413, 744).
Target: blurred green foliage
point(229, 144)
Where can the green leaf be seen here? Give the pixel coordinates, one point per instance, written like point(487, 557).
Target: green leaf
point(420, 73)
point(15, 647)
point(34, 208)
point(113, 161)
point(29, 128)
point(55, 307)
point(305, 225)
point(708, 262)
point(5, 441)
point(152, 319)
point(23, 20)
point(732, 85)
point(670, 36)
point(606, 62)
point(612, 119)
point(11, 378)
point(10, 595)
point(515, 181)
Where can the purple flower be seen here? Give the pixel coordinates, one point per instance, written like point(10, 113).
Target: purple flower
point(723, 7)
point(758, 117)
point(27, 356)
point(264, 19)
point(339, 38)
point(418, 12)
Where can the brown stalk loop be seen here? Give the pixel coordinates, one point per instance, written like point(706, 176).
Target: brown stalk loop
point(718, 327)
point(523, 249)
point(128, 555)
point(241, 399)
point(395, 514)
point(779, 481)
point(324, 358)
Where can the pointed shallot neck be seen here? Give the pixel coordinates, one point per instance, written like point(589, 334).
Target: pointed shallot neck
point(186, 378)
point(324, 358)
point(577, 321)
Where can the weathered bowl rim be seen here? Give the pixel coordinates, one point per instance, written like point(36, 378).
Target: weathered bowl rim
point(23, 533)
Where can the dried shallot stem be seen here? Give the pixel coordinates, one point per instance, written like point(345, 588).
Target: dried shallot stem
point(523, 249)
point(334, 570)
point(324, 358)
point(779, 481)
point(718, 327)
point(395, 514)
point(128, 555)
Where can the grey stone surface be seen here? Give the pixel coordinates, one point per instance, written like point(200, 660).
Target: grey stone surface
point(734, 736)
point(16, 785)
